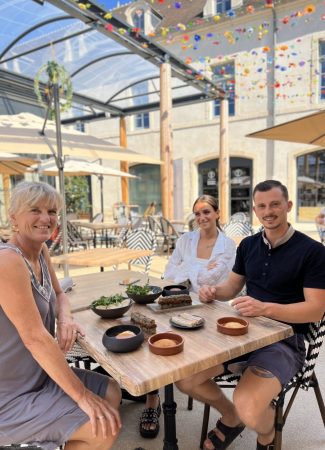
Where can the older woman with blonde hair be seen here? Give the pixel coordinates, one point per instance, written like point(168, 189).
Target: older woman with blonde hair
point(42, 400)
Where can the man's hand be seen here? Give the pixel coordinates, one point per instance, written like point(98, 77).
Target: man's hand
point(249, 306)
point(207, 294)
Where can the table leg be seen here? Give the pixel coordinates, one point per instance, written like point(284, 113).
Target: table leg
point(169, 408)
point(95, 239)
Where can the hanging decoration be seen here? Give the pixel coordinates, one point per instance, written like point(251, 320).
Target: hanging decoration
point(55, 74)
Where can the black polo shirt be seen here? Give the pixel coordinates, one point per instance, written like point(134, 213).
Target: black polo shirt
point(278, 275)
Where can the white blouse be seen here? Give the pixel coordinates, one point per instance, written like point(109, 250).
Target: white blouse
point(185, 265)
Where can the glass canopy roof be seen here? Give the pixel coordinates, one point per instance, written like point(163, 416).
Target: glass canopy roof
point(111, 74)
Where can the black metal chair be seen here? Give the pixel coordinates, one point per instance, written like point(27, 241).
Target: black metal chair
point(304, 379)
point(170, 234)
point(75, 239)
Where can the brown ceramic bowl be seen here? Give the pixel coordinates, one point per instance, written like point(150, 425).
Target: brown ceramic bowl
point(154, 346)
point(234, 326)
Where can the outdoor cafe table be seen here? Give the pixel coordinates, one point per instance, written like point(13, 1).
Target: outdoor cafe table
point(100, 226)
point(101, 257)
point(141, 371)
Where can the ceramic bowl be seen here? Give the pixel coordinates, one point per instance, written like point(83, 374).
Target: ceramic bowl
point(234, 326)
point(166, 351)
point(112, 343)
point(147, 298)
point(112, 313)
point(174, 289)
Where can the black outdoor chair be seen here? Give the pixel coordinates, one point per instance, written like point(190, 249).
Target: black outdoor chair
point(304, 379)
point(75, 239)
point(170, 234)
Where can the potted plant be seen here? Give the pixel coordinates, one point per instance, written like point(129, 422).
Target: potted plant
point(77, 196)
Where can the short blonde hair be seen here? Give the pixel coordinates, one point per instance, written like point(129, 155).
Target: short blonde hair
point(32, 193)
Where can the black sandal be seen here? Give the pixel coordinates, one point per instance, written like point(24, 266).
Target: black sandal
point(150, 416)
point(230, 434)
point(265, 447)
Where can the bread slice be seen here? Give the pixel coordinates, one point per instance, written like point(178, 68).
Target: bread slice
point(171, 301)
point(147, 325)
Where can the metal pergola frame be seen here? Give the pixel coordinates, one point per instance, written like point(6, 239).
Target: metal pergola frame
point(21, 88)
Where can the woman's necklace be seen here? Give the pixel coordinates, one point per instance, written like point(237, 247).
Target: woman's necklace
point(207, 246)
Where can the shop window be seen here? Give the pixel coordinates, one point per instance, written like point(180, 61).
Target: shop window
point(143, 191)
point(223, 6)
point(224, 77)
point(240, 183)
point(310, 185)
point(322, 69)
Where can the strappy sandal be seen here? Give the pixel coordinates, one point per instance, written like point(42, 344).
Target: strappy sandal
point(230, 434)
point(150, 416)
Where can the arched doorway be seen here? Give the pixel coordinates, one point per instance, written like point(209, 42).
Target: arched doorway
point(240, 183)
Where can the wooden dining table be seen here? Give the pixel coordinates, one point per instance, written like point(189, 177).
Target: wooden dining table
point(141, 371)
point(101, 257)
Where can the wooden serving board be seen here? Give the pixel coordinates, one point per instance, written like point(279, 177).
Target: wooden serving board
point(155, 307)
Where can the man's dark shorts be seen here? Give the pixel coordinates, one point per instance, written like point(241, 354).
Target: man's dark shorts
point(283, 359)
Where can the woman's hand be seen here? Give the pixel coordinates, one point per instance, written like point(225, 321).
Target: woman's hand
point(207, 294)
point(249, 306)
point(100, 413)
point(212, 265)
point(67, 333)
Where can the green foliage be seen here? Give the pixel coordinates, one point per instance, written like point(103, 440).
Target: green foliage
point(51, 73)
point(76, 194)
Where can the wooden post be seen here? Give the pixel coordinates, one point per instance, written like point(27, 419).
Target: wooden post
point(124, 166)
point(6, 192)
point(166, 142)
point(224, 182)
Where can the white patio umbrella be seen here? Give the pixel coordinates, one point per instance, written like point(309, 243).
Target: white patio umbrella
point(80, 167)
point(76, 167)
point(20, 133)
point(12, 164)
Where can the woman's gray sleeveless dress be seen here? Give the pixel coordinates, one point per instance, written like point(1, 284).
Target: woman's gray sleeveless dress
point(34, 409)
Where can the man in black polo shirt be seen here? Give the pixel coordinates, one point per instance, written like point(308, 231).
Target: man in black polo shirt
point(284, 272)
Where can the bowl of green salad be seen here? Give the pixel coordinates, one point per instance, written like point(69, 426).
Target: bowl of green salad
point(111, 307)
point(143, 294)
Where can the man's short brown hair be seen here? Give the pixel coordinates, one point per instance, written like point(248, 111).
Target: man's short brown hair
point(267, 185)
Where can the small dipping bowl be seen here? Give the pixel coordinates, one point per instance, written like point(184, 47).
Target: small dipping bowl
point(234, 326)
point(112, 343)
point(175, 289)
point(166, 351)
